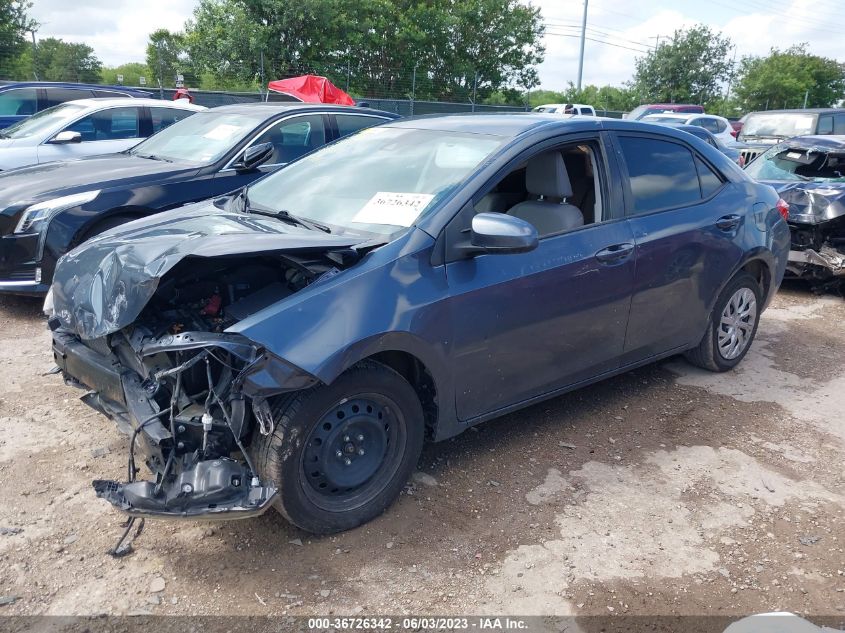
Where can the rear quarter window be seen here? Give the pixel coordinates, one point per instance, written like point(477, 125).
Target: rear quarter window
point(18, 102)
point(665, 175)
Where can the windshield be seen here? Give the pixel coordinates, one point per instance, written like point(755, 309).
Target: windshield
point(798, 163)
point(379, 180)
point(778, 124)
point(201, 138)
point(45, 121)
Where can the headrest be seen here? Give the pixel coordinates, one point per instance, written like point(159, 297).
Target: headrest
point(546, 176)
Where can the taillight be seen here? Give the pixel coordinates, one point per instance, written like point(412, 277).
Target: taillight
point(783, 208)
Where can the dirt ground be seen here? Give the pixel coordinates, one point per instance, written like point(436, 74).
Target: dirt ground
point(668, 490)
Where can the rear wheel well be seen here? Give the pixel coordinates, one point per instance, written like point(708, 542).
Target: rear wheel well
point(417, 374)
point(760, 271)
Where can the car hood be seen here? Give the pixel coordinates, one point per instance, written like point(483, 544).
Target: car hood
point(812, 202)
point(42, 182)
point(102, 286)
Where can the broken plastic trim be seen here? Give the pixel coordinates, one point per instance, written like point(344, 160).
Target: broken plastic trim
point(214, 490)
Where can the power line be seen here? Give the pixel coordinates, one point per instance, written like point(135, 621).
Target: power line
point(604, 34)
point(591, 39)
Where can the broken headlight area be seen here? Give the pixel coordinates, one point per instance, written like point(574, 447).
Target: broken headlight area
point(818, 250)
point(189, 395)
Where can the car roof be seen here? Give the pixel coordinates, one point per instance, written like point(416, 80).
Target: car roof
point(828, 141)
point(672, 105)
point(5, 85)
point(513, 124)
point(269, 108)
point(104, 102)
point(801, 111)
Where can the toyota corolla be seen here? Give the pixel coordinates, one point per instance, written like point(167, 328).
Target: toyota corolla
point(294, 344)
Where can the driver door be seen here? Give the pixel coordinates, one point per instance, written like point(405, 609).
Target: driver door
point(525, 325)
point(104, 132)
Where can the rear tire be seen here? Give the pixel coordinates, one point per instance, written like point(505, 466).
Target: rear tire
point(341, 453)
point(732, 327)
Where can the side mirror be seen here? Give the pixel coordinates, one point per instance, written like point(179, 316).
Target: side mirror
point(500, 233)
point(254, 156)
point(66, 137)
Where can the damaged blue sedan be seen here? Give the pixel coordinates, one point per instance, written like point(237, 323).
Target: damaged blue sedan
point(295, 343)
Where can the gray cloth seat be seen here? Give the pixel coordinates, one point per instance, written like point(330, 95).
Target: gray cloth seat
point(546, 177)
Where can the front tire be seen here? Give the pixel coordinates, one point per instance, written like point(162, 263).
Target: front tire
point(732, 327)
point(341, 453)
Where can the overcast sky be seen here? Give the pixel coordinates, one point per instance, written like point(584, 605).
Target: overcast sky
point(118, 29)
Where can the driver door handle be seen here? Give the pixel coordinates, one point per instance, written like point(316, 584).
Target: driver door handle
point(615, 253)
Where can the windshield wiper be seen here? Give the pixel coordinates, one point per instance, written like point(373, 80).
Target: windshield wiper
point(154, 157)
point(248, 207)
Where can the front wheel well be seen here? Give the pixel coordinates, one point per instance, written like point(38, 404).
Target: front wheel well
point(420, 378)
point(113, 218)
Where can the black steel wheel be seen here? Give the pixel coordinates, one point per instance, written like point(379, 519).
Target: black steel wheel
point(341, 453)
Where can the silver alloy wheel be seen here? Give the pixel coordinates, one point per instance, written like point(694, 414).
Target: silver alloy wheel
point(737, 323)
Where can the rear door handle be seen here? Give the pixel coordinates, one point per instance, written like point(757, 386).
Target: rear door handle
point(615, 253)
point(728, 222)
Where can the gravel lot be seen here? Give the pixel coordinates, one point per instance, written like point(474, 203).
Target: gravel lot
point(668, 490)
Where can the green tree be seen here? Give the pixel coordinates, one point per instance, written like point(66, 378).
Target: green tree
point(57, 60)
point(448, 49)
point(691, 68)
point(14, 26)
point(782, 79)
point(132, 73)
point(167, 57)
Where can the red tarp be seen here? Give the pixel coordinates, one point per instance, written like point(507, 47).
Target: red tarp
point(312, 89)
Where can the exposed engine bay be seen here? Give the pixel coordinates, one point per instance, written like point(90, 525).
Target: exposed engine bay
point(189, 395)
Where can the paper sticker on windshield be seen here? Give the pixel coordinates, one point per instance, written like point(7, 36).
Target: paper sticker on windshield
point(397, 209)
point(222, 132)
point(794, 155)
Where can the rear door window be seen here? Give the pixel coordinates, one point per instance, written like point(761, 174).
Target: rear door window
point(348, 123)
point(662, 174)
point(55, 96)
point(165, 117)
point(18, 102)
point(839, 124)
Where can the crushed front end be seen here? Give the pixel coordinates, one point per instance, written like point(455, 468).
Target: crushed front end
point(817, 227)
point(190, 395)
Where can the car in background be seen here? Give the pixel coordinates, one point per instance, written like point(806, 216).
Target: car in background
point(809, 174)
point(294, 344)
point(567, 108)
point(86, 128)
point(658, 108)
point(21, 99)
point(731, 151)
point(719, 126)
point(46, 210)
point(763, 129)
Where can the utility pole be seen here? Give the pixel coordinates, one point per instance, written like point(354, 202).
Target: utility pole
point(657, 41)
point(731, 76)
point(348, 68)
point(34, 57)
point(160, 72)
point(474, 88)
point(413, 88)
point(806, 95)
point(261, 70)
point(583, 41)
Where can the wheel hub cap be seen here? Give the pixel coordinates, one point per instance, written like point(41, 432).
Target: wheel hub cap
point(736, 324)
